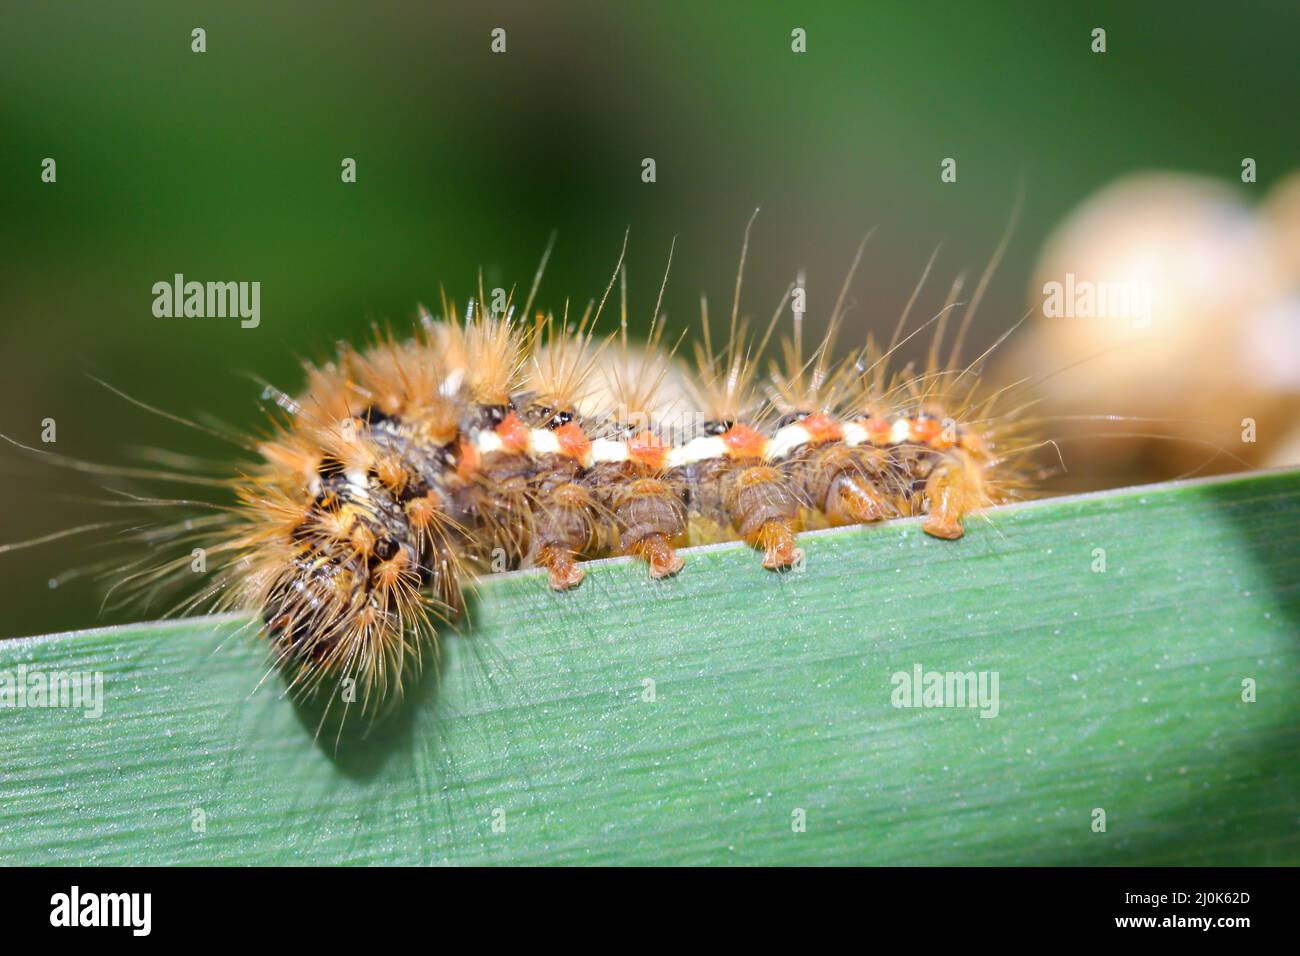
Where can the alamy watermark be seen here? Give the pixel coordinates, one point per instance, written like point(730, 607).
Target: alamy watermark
point(1086, 299)
point(921, 688)
point(75, 908)
point(208, 300)
point(32, 687)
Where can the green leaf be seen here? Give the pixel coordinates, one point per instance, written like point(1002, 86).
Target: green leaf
point(1119, 690)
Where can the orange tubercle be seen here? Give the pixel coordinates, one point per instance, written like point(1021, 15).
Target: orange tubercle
point(391, 473)
point(878, 430)
point(744, 442)
point(924, 430)
point(388, 573)
point(822, 428)
point(363, 539)
point(422, 511)
point(573, 442)
point(648, 450)
point(513, 433)
point(758, 475)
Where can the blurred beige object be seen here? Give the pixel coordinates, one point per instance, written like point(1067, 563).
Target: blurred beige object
point(1168, 297)
point(1282, 215)
point(1287, 451)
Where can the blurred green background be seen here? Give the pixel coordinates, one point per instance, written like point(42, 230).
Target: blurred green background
point(226, 166)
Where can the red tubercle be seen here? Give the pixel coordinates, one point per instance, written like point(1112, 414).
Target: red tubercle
point(822, 428)
point(924, 430)
point(513, 433)
point(648, 450)
point(572, 441)
point(878, 430)
point(744, 442)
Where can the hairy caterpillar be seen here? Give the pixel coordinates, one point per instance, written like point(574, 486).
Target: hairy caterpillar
point(491, 440)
